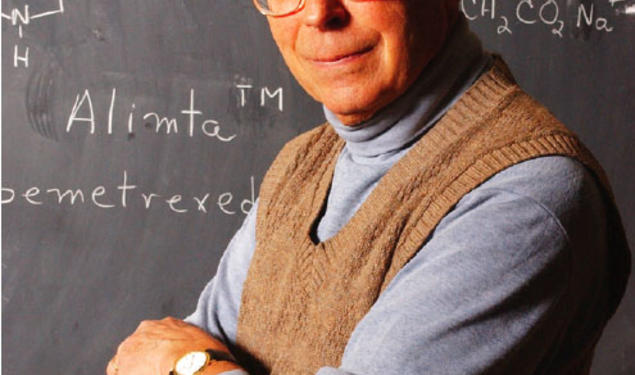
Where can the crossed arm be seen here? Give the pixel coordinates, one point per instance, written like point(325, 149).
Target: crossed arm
point(155, 345)
point(496, 289)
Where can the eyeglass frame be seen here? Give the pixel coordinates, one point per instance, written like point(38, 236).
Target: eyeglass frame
point(272, 14)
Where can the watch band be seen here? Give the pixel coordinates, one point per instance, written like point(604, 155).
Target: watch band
point(217, 355)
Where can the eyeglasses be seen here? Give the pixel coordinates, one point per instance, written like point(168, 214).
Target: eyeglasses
point(281, 8)
point(278, 8)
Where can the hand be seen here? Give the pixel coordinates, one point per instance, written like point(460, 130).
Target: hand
point(155, 346)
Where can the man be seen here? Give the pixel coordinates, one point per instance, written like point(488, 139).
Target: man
point(441, 223)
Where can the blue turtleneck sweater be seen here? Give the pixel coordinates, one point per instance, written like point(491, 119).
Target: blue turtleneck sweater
point(507, 281)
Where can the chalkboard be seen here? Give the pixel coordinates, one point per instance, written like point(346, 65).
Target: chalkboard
point(135, 135)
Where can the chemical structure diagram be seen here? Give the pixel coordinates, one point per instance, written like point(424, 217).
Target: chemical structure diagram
point(23, 17)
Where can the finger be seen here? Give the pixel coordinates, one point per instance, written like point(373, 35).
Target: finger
point(121, 346)
point(173, 321)
point(111, 369)
point(144, 324)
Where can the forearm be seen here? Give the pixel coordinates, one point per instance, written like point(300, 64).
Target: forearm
point(495, 290)
point(156, 345)
point(219, 303)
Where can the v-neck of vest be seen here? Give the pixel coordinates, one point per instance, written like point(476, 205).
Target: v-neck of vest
point(471, 109)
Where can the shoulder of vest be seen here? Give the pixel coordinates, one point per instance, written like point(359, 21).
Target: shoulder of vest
point(299, 146)
point(299, 152)
point(301, 140)
point(515, 100)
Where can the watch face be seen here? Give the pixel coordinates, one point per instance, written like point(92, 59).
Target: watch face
point(191, 363)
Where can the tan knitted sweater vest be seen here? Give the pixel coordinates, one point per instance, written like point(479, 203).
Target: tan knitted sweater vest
point(301, 300)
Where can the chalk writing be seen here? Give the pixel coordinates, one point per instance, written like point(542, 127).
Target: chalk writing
point(548, 14)
point(587, 16)
point(20, 18)
point(264, 95)
point(122, 195)
point(83, 113)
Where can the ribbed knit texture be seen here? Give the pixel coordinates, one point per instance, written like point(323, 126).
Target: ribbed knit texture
point(302, 300)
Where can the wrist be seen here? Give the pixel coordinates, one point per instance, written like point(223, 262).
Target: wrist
point(218, 362)
point(210, 370)
point(221, 367)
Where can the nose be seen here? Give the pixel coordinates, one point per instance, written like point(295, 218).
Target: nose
point(325, 14)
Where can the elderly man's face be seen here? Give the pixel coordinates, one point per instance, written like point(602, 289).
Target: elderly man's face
point(357, 56)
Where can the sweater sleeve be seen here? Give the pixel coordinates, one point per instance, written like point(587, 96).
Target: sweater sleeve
point(502, 286)
point(219, 303)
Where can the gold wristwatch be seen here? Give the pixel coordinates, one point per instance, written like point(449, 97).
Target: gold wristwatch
point(193, 363)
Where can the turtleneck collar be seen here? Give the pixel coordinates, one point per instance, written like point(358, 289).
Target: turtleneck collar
point(457, 65)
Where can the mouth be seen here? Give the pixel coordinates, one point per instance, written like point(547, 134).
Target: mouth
point(340, 58)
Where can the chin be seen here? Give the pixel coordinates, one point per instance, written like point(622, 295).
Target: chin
point(349, 104)
point(352, 116)
point(354, 112)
